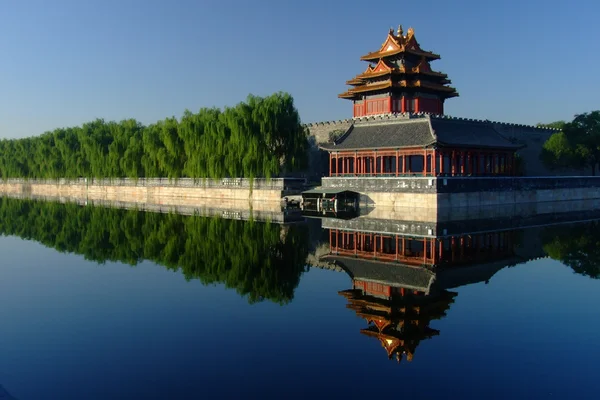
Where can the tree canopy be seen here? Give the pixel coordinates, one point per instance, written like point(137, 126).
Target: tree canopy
point(262, 137)
point(577, 145)
point(257, 259)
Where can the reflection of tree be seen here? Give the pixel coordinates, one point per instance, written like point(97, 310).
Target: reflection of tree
point(577, 246)
point(4, 395)
point(259, 260)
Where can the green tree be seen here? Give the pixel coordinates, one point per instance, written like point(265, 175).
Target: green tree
point(262, 137)
point(555, 125)
point(577, 145)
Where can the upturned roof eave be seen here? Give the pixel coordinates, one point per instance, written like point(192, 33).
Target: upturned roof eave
point(333, 147)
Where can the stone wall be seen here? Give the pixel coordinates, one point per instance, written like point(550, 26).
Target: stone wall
point(182, 192)
point(320, 133)
point(381, 185)
point(457, 192)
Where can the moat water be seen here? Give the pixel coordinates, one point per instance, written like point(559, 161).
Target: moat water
point(99, 303)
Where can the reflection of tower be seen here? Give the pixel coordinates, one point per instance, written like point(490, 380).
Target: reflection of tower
point(428, 251)
point(397, 316)
point(402, 282)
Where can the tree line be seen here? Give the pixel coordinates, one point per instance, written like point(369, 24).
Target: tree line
point(262, 137)
point(254, 258)
point(576, 145)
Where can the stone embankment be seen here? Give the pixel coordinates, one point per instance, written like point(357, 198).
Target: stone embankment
point(455, 192)
point(228, 198)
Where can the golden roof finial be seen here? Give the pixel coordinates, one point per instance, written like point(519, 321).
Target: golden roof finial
point(400, 31)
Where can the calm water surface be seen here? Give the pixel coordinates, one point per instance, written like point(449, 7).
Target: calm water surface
point(112, 304)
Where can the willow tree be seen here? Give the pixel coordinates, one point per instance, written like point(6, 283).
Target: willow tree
point(261, 137)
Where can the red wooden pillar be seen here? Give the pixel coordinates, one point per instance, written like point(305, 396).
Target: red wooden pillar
point(514, 165)
point(374, 243)
point(403, 247)
point(425, 162)
point(404, 163)
point(434, 163)
point(381, 164)
point(331, 240)
point(354, 167)
point(441, 162)
point(330, 165)
point(337, 241)
point(397, 162)
point(469, 167)
point(373, 159)
point(453, 163)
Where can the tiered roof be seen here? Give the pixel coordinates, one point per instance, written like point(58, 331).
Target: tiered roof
point(400, 63)
point(401, 322)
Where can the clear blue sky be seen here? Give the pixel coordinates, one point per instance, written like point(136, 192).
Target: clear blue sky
point(65, 62)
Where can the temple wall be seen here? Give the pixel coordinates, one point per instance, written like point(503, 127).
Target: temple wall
point(319, 133)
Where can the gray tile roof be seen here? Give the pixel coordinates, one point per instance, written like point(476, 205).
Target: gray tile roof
point(456, 132)
point(421, 132)
point(372, 135)
point(393, 274)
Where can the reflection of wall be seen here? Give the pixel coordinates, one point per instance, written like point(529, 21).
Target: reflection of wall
point(227, 209)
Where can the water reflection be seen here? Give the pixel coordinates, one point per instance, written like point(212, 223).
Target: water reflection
point(576, 246)
point(402, 276)
point(4, 395)
point(401, 283)
point(258, 260)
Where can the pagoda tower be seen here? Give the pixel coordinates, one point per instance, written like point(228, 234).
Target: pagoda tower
point(399, 79)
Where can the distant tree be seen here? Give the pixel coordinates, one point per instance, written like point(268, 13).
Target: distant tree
point(557, 153)
point(555, 125)
point(577, 145)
